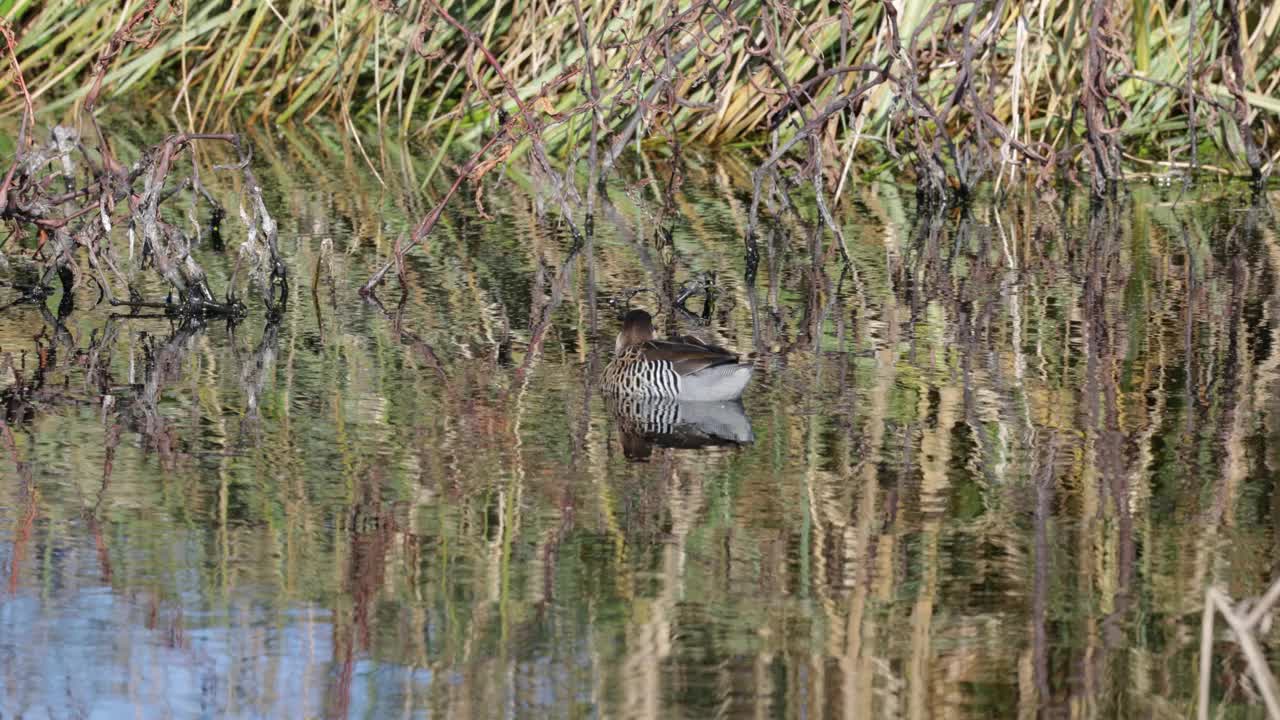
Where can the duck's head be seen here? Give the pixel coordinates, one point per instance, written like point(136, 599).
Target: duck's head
point(637, 327)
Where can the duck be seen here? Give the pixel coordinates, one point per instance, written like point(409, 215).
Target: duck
point(685, 368)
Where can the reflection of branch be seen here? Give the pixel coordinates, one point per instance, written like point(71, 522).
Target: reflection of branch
point(1244, 628)
point(6, 435)
point(253, 371)
point(27, 523)
point(409, 338)
point(141, 411)
point(93, 517)
point(1040, 592)
point(540, 315)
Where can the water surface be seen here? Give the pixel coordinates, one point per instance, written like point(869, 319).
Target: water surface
point(994, 461)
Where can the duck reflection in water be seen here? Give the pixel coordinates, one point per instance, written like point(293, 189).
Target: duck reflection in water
point(663, 422)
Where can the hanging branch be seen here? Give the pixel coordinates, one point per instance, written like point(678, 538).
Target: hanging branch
point(424, 226)
point(1235, 85)
point(1099, 130)
point(505, 139)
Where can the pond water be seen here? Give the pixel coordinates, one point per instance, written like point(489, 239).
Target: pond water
point(986, 470)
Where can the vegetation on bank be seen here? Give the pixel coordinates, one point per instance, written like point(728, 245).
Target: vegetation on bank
point(958, 91)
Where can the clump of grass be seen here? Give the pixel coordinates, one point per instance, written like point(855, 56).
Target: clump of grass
point(960, 91)
point(71, 210)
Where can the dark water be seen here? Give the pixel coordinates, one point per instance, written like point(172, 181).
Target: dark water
point(994, 463)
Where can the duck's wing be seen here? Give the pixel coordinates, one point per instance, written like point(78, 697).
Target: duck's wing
point(691, 340)
point(686, 357)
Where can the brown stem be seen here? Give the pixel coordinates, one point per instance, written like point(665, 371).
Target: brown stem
point(1235, 81)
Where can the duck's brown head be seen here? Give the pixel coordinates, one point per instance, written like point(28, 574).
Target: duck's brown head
point(637, 327)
